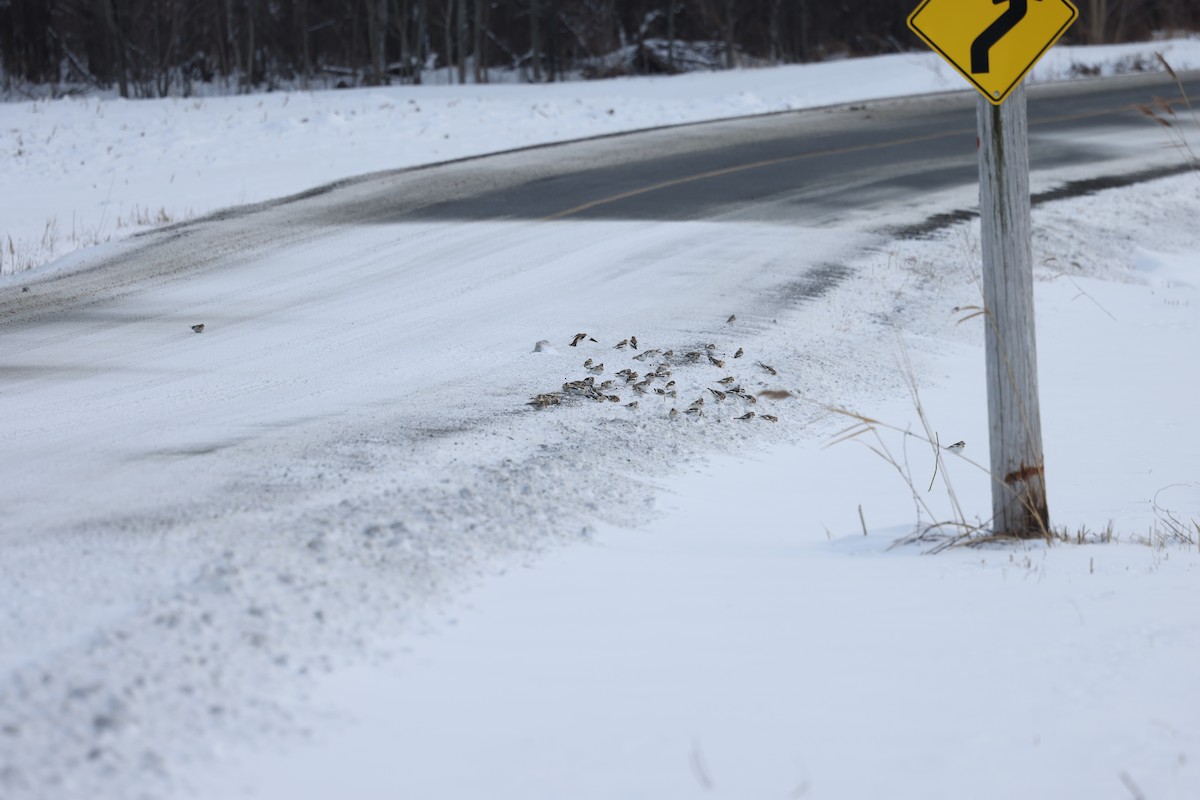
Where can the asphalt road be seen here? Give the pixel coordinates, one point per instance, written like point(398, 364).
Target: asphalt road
point(816, 166)
point(898, 166)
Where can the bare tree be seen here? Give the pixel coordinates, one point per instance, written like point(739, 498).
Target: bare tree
point(463, 21)
point(377, 26)
point(477, 44)
point(118, 39)
point(535, 39)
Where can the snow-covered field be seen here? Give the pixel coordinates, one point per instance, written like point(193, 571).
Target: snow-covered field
point(588, 601)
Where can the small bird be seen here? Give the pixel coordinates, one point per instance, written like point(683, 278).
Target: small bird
point(739, 353)
point(633, 342)
point(606, 385)
point(646, 354)
point(957, 447)
point(698, 404)
point(579, 337)
point(544, 400)
point(674, 413)
point(596, 370)
point(726, 380)
point(634, 404)
point(718, 394)
point(768, 417)
point(198, 328)
point(747, 415)
point(612, 398)
point(732, 317)
point(769, 368)
point(716, 362)
point(710, 346)
point(621, 344)
point(696, 410)
point(588, 364)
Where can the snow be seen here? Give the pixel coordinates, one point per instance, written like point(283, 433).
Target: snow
point(305, 553)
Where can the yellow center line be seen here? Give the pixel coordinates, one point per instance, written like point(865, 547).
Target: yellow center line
point(833, 151)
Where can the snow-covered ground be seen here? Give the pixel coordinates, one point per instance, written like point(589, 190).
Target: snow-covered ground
point(748, 639)
point(586, 601)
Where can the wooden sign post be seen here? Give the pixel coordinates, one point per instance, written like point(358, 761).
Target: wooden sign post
point(1014, 419)
point(994, 45)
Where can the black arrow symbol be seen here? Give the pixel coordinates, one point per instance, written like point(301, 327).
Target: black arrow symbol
point(995, 32)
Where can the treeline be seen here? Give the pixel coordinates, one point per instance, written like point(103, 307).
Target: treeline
point(146, 48)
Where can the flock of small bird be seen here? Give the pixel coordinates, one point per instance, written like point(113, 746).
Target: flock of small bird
point(652, 375)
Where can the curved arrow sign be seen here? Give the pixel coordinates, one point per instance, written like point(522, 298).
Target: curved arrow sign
point(992, 43)
point(983, 43)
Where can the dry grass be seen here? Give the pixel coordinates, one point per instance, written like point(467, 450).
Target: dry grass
point(22, 255)
point(1163, 112)
point(870, 433)
point(143, 217)
point(1169, 528)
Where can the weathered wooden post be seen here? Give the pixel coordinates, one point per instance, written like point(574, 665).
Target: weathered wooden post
point(994, 45)
point(1014, 420)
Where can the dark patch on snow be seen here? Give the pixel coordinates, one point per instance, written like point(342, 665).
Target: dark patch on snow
point(1079, 188)
point(814, 284)
point(933, 224)
point(196, 450)
point(1088, 186)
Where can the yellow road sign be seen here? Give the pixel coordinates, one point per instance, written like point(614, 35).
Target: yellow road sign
point(993, 43)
